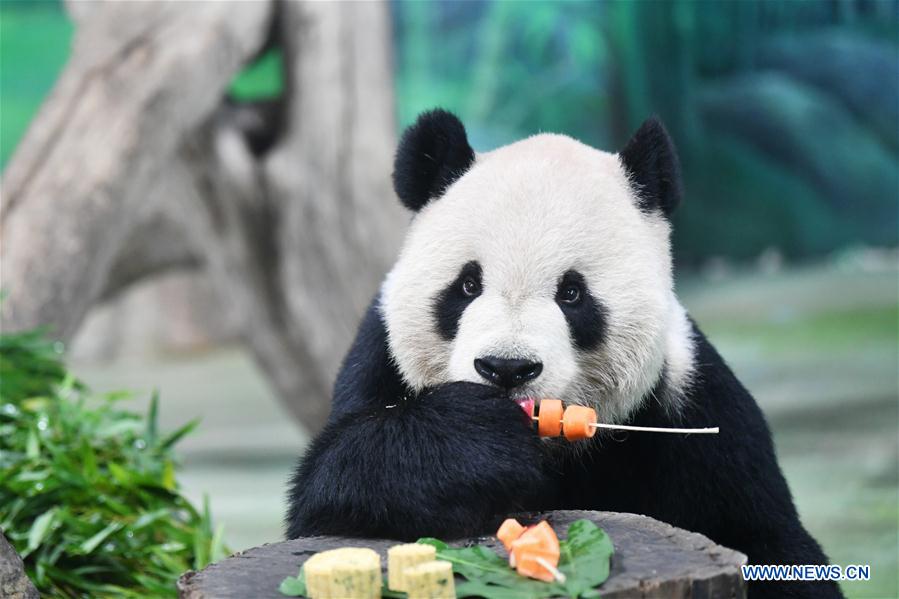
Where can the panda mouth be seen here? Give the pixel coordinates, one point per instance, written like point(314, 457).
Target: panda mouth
point(526, 404)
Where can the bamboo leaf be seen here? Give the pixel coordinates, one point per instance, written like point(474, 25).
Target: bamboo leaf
point(179, 434)
point(153, 419)
point(39, 529)
point(90, 511)
point(32, 445)
point(89, 545)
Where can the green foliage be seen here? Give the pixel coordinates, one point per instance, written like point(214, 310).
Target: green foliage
point(585, 559)
point(29, 366)
point(88, 494)
point(294, 586)
point(489, 575)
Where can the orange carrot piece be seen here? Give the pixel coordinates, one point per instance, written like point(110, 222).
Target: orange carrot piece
point(539, 541)
point(544, 534)
point(576, 422)
point(549, 421)
point(520, 545)
point(533, 546)
point(509, 531)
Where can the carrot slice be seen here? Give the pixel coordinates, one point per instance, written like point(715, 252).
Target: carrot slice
point(524, 550)
point(576, 421)
point(533, 546)
point(549, 421)
point(520, 545)
point(543, 534)
point(539, 541)
point(509, 531)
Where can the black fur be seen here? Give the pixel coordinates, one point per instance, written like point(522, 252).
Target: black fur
point(728, 487)
point(452, 301)
point(652, 165)
point(431, 155)
point(586, 318)
point(392, 464)
point(445, 463)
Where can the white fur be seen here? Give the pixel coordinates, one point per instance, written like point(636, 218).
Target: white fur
point(527, 213)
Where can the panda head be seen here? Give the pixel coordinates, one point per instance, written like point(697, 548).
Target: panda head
point(542, 267)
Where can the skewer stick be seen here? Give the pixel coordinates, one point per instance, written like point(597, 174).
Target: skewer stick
point(551, 568)
point(651, 429)
point(654, 429)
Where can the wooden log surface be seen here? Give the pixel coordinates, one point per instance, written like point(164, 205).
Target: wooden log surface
point(652, 559)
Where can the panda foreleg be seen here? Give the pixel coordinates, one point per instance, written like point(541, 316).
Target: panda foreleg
point(443, 463)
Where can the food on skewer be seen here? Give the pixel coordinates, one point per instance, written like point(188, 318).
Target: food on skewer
point(579, 422)
point(576, 422)
point(549, 422)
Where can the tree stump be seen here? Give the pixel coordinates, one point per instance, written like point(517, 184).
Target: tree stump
point(652, 559)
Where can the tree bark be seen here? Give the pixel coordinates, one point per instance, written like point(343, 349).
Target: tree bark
point(140, 76)
point(300, 237)
point(294, 220)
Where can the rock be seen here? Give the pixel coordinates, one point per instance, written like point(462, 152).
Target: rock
point(14, 583)
point(652, 559)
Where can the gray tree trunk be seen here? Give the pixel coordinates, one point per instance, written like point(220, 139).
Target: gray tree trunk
point(136, 165)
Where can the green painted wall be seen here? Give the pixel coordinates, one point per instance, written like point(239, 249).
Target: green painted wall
point(786, 113)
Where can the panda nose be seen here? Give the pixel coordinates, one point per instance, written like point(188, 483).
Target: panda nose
point(507, 372)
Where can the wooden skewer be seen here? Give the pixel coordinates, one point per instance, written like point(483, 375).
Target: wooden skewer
point(651, 429)
point(655, 429)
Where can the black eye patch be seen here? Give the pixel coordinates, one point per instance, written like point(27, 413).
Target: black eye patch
point(586, 316)
point(452, 301)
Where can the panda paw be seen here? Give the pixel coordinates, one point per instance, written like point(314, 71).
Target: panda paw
point(479, 408)
point(443, 463)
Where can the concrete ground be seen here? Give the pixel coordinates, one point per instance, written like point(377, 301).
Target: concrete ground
point(816, 346)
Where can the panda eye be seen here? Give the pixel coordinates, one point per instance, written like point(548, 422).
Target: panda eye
point(470, 287)
point(570, 294)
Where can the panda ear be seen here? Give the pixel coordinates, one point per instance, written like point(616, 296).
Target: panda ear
point(432, 154)
point(651, 163)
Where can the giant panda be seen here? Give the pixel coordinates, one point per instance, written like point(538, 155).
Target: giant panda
point(540, 269)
